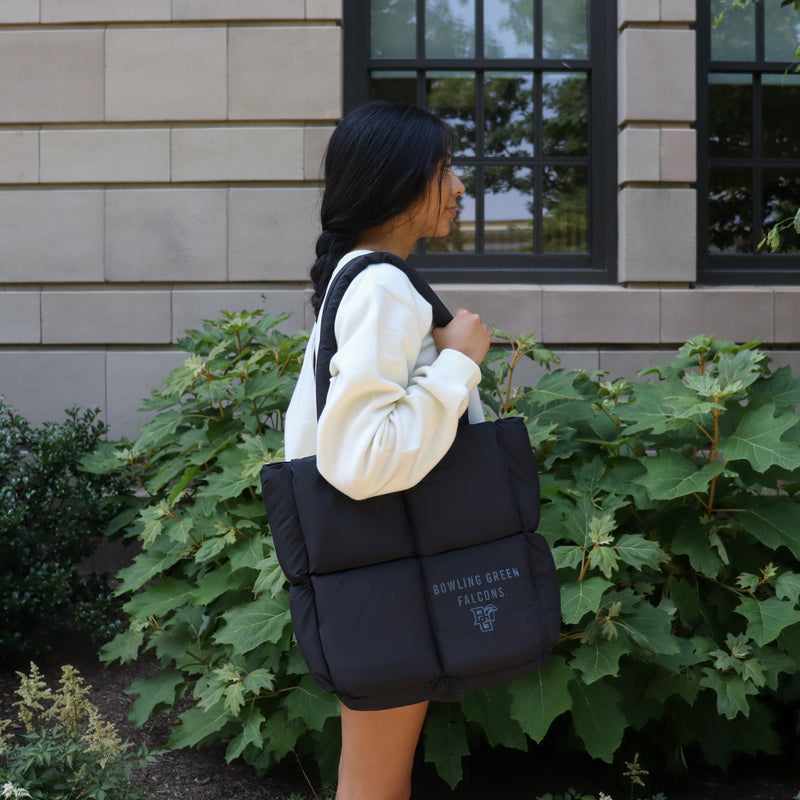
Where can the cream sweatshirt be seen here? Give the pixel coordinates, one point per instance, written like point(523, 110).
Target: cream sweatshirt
point(394, 401)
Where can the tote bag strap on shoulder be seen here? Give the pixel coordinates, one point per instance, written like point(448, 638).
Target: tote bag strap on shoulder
point(335, 293)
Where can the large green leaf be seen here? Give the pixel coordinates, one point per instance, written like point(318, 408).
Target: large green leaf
point(774, 521)
point(637, 551)
point(758, 440)
point(767, 618)
point(310, 703)
point(446, 741)
point(732, 692)
point(671, 475)
point(599, 659)
point(160, 599)
point(599, 718)
point(582, 597)
point(537, 699)
point(251, 733)
point(198, 725)
point(491, 709)
point(156, 693)
point(248, 626)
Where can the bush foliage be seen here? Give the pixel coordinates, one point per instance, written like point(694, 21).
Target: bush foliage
point(68, 751)
point(671, 504)
point(53, 516)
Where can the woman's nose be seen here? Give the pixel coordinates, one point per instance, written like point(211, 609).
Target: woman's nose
point(456, 187)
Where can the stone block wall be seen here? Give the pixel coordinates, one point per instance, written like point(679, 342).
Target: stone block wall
point(159, 162)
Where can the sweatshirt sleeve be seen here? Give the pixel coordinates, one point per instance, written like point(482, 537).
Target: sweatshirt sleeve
point(388, 421)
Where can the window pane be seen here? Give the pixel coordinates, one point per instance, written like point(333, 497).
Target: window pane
point(451, 95)
point(565, 210)
point(781, 31)
point(734, 39)
point(780, 103)
point(781, 196)
point(730, 215)
point(399, 87)
point(450, 29)
point(730, 115)
point(462, 233)
point(508, 214)
point(565, 29)
point(393, 28)
point(508, 28)
point(565, 112)
point(508, 122)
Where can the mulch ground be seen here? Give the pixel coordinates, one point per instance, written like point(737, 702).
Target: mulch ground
point(490, 775)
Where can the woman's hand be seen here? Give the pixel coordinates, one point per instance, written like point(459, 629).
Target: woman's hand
point(465, 333)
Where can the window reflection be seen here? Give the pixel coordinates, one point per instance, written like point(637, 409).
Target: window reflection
point(508, 225)
point(508, 28)
point(730, 115)
point(730, 197)
point(780, 100)
point(781, 193)
point(393, 28)
point(450, 28)
point(398, 87)
point(508, 114)
point(735, 38)
point(565, 112)
point(565, 210)
point(451, 95)
point(565, 29)
point(781, 31)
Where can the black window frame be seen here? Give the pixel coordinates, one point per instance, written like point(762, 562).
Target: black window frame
point(758, 268)
point(599, 265)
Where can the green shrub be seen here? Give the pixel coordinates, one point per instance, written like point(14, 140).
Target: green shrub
point(53, 516)
point(671, 505)
point(68, 751)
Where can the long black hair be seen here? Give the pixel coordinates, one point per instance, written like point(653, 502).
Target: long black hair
point(378, 163)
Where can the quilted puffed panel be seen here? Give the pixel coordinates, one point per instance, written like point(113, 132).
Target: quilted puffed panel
point(467, 497)
point(303, 608)
point(374, 628)
point(342, 533)
point(522, 470)
point(483, 600)
point(278, 493)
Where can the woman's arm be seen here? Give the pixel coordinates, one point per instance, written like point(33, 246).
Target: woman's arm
point(387, 420)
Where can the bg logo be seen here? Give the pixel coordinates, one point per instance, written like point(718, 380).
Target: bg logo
point(484, 617)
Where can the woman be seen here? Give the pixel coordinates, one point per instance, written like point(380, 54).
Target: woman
point(398, 386)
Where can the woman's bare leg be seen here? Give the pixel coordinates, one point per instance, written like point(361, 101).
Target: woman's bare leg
point(378, 752)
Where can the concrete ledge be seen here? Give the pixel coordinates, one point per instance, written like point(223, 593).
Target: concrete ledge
point(787, 314)
point(514, 309)
point(729, 313)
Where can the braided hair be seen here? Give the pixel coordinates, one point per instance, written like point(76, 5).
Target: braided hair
point(378, 163)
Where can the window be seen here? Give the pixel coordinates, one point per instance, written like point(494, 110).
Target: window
point(749, 175)
point(528, 89)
